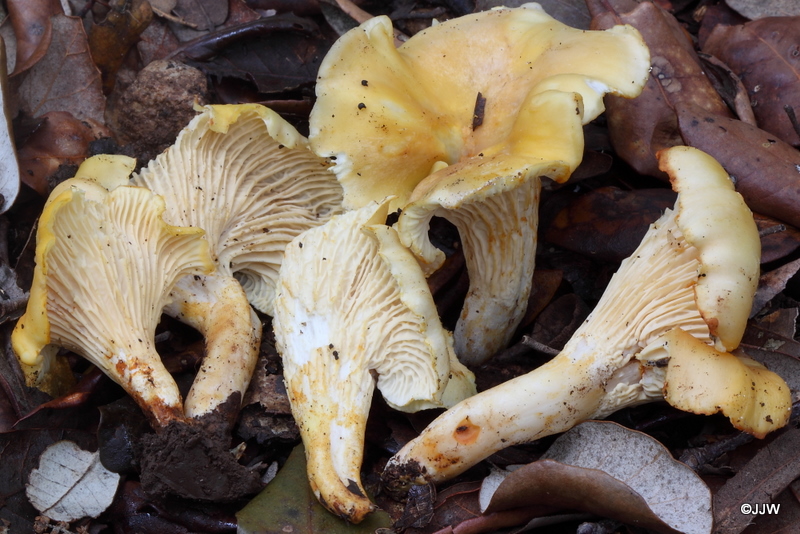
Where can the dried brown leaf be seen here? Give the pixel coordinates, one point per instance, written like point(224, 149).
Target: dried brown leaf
point(157, 42)
point(276, 53)
point(778, 240)
point(766, 170)
point(786, 520)
point(646, 124)
point(240, 12)
point(545, 284)
point(60, 139)
point(608, 223)
point(766, 56)
point(202, 14)
point(771, 283)
point(782, 321)
point(714, 15)
point(770, 341)
point(112, 38)
point(66, 78)
point(559, 320)
point(454, 505)
point(32, 28)
point(769, 472)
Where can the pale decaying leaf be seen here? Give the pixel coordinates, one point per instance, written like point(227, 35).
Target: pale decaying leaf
point(604, 468)
point(759, 9)
point(9, 169)
point(71, 483)
point(66, 78)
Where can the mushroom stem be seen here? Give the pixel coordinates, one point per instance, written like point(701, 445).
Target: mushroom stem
point(501, 280)
point(553, 398)
point(217, 307)
point(333, 426)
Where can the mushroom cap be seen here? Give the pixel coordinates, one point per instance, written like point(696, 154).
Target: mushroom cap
point(369, 298)
point(354, 310)
point(702, 380)
point(215, 304)
point(493, 200)
point(105, 263)
point(714, 218)
point(247, 177)
point(387, 115)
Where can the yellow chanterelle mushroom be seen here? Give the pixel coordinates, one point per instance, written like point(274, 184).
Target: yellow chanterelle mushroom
point(663, 329)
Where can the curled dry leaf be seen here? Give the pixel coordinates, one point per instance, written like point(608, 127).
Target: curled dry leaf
point(766, 55)
point(71, 483)
point(641, 127)
point(607, 469)
point(765, 168)
point(31, 22)
point(729, 86)
point(65, 78)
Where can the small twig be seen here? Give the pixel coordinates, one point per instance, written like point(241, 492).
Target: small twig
point(697, 457)
point(538, 347)
point(173, 18)
point(775, 229)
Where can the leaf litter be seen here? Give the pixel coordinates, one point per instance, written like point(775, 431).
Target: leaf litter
point(249, 56)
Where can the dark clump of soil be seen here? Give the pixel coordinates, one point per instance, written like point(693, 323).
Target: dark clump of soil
point(185, 460)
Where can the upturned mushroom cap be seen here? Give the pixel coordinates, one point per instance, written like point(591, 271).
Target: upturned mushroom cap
point(697, 378)
point(388, 115)
point(247, 177)
point(493, 200)
point(714, 218)
point(354, 311)
point(653, 292)
point(105, 264)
